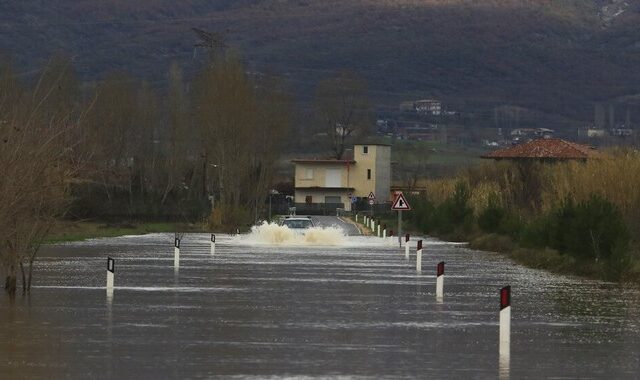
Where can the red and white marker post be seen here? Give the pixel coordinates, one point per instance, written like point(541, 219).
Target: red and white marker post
point(419, 256)
point(213, 244)
point(440, 281)
point(406, 246)
point(505, 320)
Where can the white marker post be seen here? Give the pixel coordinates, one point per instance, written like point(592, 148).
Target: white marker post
point(505, 321)
point(364, 220)
point(111, 264)
point(440, 282)
point(378, 224)
point(406, 246)
point(213, 244)
point(176, 254)
point(419, 257)
point(373, 224)
point(356, 218)
point(384, 231)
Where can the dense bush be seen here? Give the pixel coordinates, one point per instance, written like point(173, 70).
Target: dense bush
point(452, 214)
point(592, 229)
point(571, 215)
point(491, 217)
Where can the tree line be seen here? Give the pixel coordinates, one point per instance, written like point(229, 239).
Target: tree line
point(121, 148)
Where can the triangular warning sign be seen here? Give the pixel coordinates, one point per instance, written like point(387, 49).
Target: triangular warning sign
point(371, 196)
point(400, 204)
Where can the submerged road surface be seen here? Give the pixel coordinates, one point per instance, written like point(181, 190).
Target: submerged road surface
point(347, 226)
point(357, 309)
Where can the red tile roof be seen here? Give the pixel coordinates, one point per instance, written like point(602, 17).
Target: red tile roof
point(321, 161)
point(545, 149)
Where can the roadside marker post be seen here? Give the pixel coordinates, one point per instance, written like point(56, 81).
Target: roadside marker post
point(111, 264)
point(213, 244)
point(406, 246)
point(419, 256)
point(176, 253)
point(440, 282)
point(384, 231)
point(505, 321)
point(378, 226)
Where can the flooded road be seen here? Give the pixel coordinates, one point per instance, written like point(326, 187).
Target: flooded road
point(354, 309)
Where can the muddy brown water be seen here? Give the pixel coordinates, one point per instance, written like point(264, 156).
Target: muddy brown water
point(354, 310)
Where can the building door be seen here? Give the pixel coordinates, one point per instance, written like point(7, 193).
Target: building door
point(332, 199)
point(333, 178)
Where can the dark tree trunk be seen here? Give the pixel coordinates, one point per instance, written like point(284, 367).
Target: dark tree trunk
point(10, 284)
point(24, 279)
point(30, 275)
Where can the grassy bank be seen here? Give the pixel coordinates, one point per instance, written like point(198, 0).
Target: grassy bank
point(551, 260)
point(66, 231)
point(578, 218)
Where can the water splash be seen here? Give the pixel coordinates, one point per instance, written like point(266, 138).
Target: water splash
point(272, 233)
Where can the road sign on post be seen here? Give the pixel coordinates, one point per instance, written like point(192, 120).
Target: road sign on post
point(400, 204)
point(372, 200)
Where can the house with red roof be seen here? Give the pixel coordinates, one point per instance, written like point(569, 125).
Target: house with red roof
point(545, 150)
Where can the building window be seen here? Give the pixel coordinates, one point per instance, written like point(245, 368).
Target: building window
point(368, 173)
point(308, 174)
point(365, 149)
point(308, 200)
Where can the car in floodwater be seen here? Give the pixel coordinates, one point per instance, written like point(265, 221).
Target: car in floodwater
point(298, 223)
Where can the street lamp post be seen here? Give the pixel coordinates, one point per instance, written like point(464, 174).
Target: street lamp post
point(271, 193)
point(220, 173)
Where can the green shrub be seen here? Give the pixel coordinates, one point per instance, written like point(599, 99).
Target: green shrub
point(548, 259)
point(422, 214)
point(454, 213)
point(511, 224)
point(491, 217)
point(493, 243)
point(535, 234)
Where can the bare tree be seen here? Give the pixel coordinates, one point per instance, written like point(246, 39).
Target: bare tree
point(179, 137)
point(343, 109)
point(38, 166)
point(242, 123)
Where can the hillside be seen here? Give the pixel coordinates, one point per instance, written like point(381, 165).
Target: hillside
point(556, 57)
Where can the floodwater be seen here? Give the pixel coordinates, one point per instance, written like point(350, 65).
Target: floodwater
point(355, 309)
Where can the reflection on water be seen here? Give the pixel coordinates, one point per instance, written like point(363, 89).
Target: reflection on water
point(259, 310)
point(503, 366)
